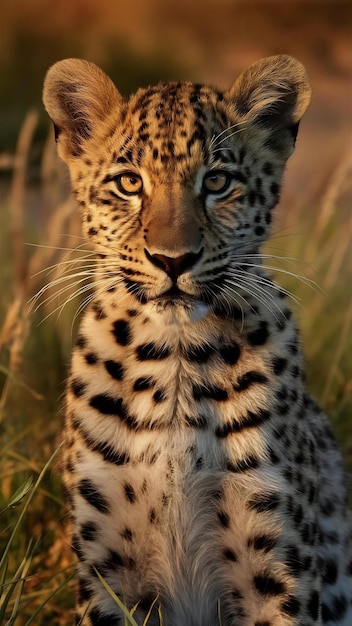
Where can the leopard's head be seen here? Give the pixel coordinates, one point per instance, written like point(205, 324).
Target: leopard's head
point(177, 183)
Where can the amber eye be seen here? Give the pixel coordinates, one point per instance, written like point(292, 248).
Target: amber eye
point(216, 182)
point(129, 183)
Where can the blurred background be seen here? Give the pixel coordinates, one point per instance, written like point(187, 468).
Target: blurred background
point(139, 42)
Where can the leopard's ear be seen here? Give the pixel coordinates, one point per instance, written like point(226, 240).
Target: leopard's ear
point(274, 93)
point(78, 96)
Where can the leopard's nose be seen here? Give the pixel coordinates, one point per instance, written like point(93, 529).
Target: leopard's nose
point(174, 266)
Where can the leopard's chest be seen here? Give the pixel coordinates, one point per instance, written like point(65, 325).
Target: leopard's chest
point(138, 384)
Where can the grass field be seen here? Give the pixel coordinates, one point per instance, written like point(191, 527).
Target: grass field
point(38, 224)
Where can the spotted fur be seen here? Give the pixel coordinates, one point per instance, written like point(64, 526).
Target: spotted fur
point(201, 478)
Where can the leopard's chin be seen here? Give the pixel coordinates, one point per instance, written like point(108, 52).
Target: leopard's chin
point(176, 302)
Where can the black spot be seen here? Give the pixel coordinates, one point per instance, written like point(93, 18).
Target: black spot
point(259, 336)
point(99, 311)
point(122, 332)
point(263, 623)
point(283, 408)
point(248, 379)
point(108, 452)
point(274, 188)
point(252, 197)
point(159, 396)
point(149, 351)
point(274, 458)
point(141, 384)
point(279, 365)
point(198, 354)
point(127, 534)
point(199, 463)
point(306, 533)
point(107, 405)
point(76, 547)
point(259, 231)
point(84, 593)
point(135, 288)
point(291, 606)
point(298, 515)
point(97, 618)
point(249, 463)
point(92, 231)
point(279, 431)
point(90, 493)
point(295, 371)
point(89, 531)
point(197, 136)
point(263, 502)
point(293, 559)
point(199, 421)
point(263, 542)
point(114, 561)
point(152, 515)
point(224, 519)
point(165, 499)
point(230, 555)
point(115, 369)
point(230, 353)
point(313, 605)
point(268, 168)
point(312, 492)
point(81, 341)
point(211, 391)
point(130, 493)
point(91, 358)
point(250, 420)
point(266, 585)
point(78, 387)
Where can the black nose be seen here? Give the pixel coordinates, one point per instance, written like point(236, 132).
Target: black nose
point(174, 266)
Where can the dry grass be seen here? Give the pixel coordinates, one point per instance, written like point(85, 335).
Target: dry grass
point(36, 565)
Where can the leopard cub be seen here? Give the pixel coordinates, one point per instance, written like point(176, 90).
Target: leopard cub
point(204, 485)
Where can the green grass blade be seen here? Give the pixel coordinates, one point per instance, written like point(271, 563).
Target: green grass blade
point(20, 493)
point(25, 508)
point(130, 619)
point(18, 580)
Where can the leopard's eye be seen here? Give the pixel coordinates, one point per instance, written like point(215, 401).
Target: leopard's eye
point(216, 182)
point(129, 183)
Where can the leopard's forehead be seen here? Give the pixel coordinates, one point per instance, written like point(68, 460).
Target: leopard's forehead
point(170, 122)
point(173, 103)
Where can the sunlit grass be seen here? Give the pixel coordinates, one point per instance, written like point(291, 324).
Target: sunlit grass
point(36, 564)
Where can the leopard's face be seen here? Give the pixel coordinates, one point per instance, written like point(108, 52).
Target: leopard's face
point(178, 183)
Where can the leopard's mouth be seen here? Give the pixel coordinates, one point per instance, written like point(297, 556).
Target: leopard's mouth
point(175, 295)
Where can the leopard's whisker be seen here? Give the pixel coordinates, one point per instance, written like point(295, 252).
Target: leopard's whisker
point(307, 281)
point(215, 138)
point(256, 293)
point(262, 280)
